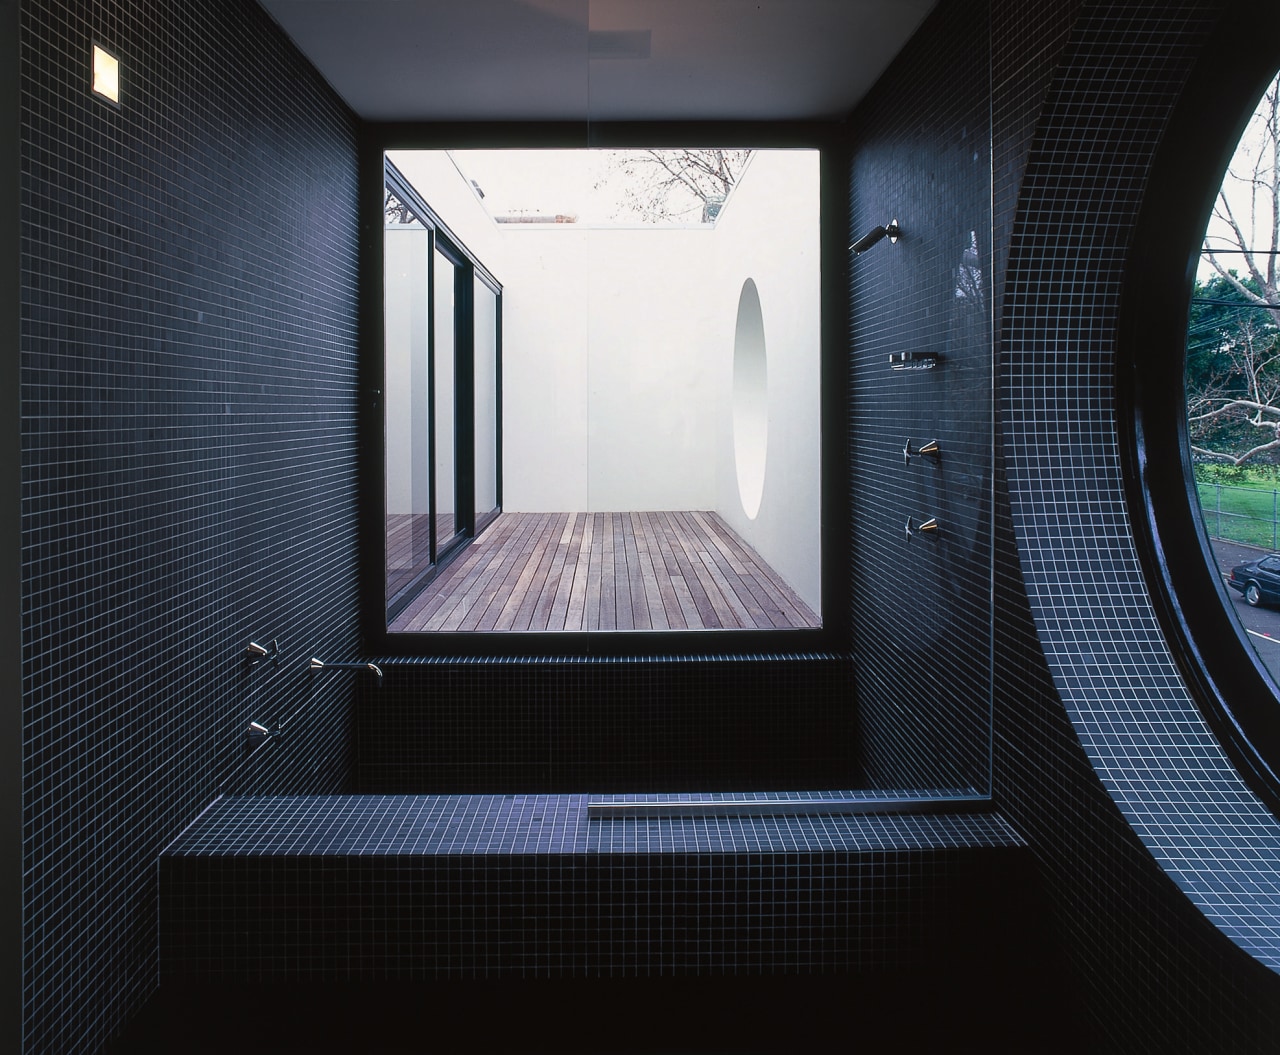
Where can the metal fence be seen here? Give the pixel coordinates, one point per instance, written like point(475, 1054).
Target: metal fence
point(1241, 514)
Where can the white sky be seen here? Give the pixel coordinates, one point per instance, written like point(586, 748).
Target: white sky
point(1238, 197)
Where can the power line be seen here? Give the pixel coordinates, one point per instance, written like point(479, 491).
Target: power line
point(1233, 303)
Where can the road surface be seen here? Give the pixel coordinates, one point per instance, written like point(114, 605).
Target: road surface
point(1261, 623)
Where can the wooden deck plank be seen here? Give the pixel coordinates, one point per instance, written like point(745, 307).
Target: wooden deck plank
point(636, 611)
point(735, 577)
point(668, 574)
point(560, 581)
point(574, 616)
point(793, 611)
point(732, 612)
point(650, 600)
point(581, 571)
point(490, 599)
point(444, 590)
point(745, 566)
point(476, 587)
point(702, 554)
point(523, 594)
point(490, 589)
point(592, 615)
point(537, 584)
point(706, 617)
point(608, 575)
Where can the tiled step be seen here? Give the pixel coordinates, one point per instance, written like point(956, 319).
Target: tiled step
point(370, 887)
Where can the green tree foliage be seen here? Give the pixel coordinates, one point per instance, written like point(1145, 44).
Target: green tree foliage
point(1233, 374)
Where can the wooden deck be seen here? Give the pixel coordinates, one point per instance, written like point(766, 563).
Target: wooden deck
point(409, 545)
point(606, 571)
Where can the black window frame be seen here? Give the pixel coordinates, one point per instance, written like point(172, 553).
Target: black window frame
point(832, 637)
point(467, 269)
point(1238, 697)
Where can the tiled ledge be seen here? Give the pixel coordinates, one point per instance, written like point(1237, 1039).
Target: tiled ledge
point(361, 825)
point(371, 887)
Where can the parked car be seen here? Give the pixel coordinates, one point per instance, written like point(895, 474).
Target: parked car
point(1259, 580)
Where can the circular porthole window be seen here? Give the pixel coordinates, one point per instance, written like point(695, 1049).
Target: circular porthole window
point(1233, 380)
point(750, 400)
point(1203, 477)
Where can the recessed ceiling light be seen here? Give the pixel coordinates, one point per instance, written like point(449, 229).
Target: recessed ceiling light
point(106, 74)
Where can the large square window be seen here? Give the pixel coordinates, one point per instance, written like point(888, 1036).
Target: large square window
point(602, 397)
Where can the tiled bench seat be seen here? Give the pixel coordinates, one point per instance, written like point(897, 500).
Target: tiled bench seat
point(369, 887)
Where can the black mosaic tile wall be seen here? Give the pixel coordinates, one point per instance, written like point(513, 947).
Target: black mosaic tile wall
point(1081, 93)
point(921, 606)
point(188, 431)
point(187, 342)
point(658, 725)
point(412, 887)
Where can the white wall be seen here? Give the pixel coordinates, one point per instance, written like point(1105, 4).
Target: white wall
point(607, 376)
point(769, 233)
point(618, 356)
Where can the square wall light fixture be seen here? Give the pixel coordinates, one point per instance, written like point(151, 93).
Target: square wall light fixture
point(106, 74)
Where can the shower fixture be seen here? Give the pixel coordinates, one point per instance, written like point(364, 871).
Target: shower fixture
point(318, 664)
point(891, 230)
point(913, 360)
point(255, 652)
point(929, 450)
point(925, 527)
point(257, 733)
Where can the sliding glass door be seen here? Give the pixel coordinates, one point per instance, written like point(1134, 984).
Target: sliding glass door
point(442, 378)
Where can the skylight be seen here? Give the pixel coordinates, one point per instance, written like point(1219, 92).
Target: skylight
point(682, 187)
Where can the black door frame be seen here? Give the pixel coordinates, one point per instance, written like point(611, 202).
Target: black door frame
point(467, 269)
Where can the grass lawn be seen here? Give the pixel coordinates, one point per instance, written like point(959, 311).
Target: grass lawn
point(1241, 505)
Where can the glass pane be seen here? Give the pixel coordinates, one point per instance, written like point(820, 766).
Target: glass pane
point(406, 306)
point(613, 400)
point(486, 382)
point(446, 523)
point(1233, 380)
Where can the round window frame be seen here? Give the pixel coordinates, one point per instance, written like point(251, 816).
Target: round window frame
point(1238, 697)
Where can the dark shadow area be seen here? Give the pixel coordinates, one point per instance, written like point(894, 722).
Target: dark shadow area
point(995, 981)
point(912, 1012)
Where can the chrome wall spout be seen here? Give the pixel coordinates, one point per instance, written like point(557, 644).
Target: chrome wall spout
point(928, 450)
point(255, 652)
point(925, 527)
point(319, 664)
point(891, 230)
point(258, 733)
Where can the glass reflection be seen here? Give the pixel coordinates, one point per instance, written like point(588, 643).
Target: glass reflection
point(444, 400)
point(486, 399)
point(408, 467)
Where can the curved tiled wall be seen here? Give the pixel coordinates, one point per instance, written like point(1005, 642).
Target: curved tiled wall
point(1103, 120)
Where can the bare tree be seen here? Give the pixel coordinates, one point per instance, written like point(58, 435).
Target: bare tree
point(1233, 404)
point(1251, 187)
point(396, 211)
point(684, 184)
point(1233, 410)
